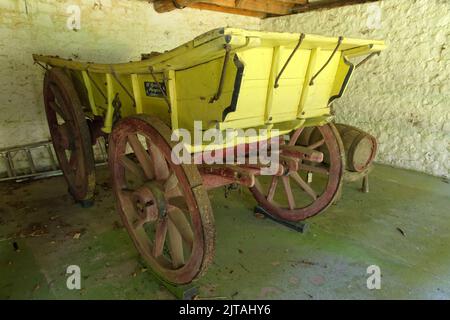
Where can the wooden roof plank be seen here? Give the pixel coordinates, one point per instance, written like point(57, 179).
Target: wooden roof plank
point(266, 6)
point(214, 7)
point(254, 8)
point(326, 5)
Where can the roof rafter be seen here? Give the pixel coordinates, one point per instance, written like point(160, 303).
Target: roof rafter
point(254, 8)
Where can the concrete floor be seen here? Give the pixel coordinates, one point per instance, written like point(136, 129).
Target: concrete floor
point(402, 226)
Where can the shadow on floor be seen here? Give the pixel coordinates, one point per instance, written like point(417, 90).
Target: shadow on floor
point(402, 226)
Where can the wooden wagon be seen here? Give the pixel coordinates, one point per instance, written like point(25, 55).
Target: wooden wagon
point(226, 79)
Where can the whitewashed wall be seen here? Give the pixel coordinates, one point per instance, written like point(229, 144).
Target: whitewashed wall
point(111, 31)
point(402, 97)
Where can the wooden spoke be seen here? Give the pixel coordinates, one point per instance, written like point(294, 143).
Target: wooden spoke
point(258, 184)
point(317, 144)
point(160, 237)
point(73, 159)
point(127, 194)
point(304, 185)
point(295, 136)
point(140, 221)
point(179, 202)
point(315, 169)
point(132, 166)
point(175, 245)
point(63, 138)
point(288, 190)
point(161, 167)
point(131, 212)
point(171, 183)
point(57, 109)
point(172, 188)
point(179, 219)
point(272, 189)
point(56, 104)
point(141, 154)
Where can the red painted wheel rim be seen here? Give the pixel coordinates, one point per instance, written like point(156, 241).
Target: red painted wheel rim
point(319, 200)
point(179, 243)
point(70, 134)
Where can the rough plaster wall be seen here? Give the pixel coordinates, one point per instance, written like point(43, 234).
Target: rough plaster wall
point(111, 31)
point(402, 97)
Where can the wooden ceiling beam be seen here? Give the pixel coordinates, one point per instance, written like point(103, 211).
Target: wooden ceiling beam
point(326, 5)
point(213, 7)
point(293, 1)
point(266, 6)
point(169, 5)
point(254, 8)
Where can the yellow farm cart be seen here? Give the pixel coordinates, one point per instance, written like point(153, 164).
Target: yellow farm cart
point(225, 79)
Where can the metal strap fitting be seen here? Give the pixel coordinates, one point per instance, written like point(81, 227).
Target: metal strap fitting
point(164, 93)
point(367, 59)
point(222, 76)
point(96, 86)
point(123, 87)
point(300, 41)
point(328, 61)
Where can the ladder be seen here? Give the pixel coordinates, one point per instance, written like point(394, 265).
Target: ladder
point(34, 169)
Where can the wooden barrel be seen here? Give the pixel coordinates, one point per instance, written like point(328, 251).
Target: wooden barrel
point(360, 147)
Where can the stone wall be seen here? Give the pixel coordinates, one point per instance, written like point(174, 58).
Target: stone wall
point(111, 31)
point(403, 96)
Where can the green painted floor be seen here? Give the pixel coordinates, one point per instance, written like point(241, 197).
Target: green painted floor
point(402, 226)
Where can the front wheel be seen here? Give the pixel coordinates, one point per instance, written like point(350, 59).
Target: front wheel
point(164, 206)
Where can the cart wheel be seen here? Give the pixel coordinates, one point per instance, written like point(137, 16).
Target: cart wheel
point(70, 134)
point(304, 198)
point(164, 206)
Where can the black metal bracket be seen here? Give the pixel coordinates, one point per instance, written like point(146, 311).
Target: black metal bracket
point(46, 68)
point(96, 86)
point(164, 93)
point(328, 61)
point(117, 105)
point(367, 58)
point(237, 87)
point(300, 41)
point(299, 226)
point(222, 76)
point(123, 87)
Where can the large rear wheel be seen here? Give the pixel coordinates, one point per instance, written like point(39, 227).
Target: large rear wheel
point(70, 134)
point(293, 196)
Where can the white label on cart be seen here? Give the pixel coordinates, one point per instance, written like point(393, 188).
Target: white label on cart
point(155, 89)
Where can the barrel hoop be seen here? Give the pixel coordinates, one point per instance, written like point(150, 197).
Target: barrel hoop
point(353, 147)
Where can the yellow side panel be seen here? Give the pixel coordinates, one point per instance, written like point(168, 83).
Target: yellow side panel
point(316, 97)
point(125, 94)
point(99, 92)
point(284, 100)
point(253, 93)
point(153, 105)
point(196, 86)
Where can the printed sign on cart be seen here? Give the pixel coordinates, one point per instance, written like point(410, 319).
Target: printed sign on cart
point(155, 89)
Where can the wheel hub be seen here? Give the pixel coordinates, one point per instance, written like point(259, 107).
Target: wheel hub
point(149, 201)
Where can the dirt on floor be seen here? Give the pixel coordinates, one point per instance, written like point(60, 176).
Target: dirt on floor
point(402, 226)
